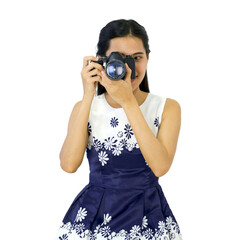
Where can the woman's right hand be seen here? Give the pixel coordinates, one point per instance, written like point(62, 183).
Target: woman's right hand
point(90, 82)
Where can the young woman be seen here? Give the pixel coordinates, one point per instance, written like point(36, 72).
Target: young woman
point(130, 136)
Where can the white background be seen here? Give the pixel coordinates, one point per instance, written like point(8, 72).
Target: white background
point(194, 59)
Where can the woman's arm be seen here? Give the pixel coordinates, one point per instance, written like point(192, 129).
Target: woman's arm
point(74, 146)
point(157, 151)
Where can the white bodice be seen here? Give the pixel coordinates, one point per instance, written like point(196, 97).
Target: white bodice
point(111, 126)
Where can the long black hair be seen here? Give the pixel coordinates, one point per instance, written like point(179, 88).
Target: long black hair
point(122, 28)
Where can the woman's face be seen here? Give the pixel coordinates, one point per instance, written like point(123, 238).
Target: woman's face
point(131, 46)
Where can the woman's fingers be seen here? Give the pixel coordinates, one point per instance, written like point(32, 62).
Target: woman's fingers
point(93, 65)
point(86, 59)
point(93, 72)
point(129, 71)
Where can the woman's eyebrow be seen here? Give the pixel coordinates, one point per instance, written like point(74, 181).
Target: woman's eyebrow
point(133, 53)
point(138, 53)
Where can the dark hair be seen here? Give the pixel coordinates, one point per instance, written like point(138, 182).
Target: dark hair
point(122, 28)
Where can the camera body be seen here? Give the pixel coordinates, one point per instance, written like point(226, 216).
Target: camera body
point(114, 65)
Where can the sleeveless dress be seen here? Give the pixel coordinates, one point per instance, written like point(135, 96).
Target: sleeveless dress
point(123, 199)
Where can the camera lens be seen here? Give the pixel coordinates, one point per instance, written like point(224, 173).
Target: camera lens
point(115, 70)
point(110, 70)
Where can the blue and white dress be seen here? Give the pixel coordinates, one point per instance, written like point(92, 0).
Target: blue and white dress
point(123, 199)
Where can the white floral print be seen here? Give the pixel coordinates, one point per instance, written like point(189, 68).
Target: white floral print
point(81, 214)
point(103, 157)
point(97, 144)
point(110, 143)
point(144, 222)
point(130, 146)
point(117, 150)
point(107, 218)
point(113, 145)
point(167, 230)
point(161, 225)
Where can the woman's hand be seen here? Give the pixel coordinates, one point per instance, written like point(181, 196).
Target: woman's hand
point(90, 82)
point(119, 90)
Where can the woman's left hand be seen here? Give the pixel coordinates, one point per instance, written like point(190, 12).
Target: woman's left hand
point(120, 90)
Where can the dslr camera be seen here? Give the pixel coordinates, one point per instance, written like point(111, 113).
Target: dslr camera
point(114, 65)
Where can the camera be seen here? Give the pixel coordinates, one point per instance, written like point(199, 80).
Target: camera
point(114, 65)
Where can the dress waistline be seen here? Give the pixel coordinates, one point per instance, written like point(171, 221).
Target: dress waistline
point(106, 186)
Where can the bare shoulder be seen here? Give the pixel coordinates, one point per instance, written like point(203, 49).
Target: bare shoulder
point(172, 108)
